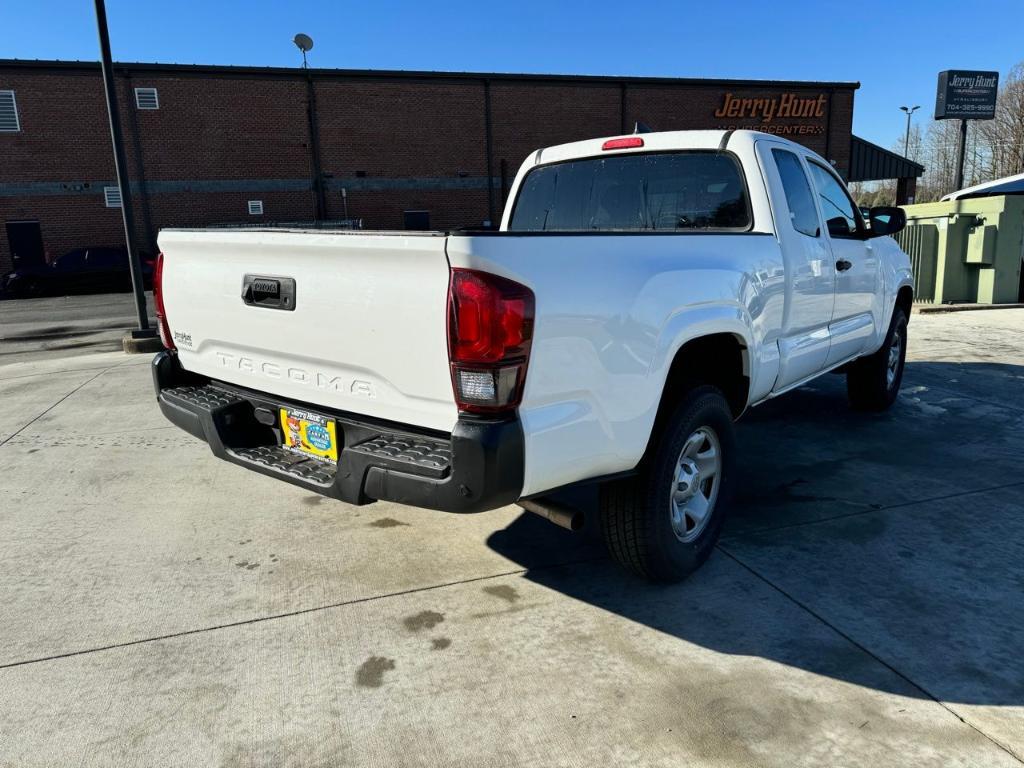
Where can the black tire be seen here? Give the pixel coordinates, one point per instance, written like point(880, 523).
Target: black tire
point(868, 382)
point(637, 512)
point(23, 289)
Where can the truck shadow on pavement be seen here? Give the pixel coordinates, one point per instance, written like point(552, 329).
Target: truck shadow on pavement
point(884, 550)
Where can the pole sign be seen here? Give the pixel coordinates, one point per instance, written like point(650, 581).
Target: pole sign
point(966, 95)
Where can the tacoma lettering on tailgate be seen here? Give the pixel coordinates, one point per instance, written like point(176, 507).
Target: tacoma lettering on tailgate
point(296, 375)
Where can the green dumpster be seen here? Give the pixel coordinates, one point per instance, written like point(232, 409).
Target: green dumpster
point(966, 251)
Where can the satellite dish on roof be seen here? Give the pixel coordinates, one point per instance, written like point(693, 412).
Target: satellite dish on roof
point(303, 42)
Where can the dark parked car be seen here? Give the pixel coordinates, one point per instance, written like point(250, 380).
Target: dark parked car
point(83, 270)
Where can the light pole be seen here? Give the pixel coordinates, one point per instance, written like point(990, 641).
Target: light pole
point(121, 169)
point(906, 142)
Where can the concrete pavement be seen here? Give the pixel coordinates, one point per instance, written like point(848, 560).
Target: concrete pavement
point(65, 326)
point(864, 607)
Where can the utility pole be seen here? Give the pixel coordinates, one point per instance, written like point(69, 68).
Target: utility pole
point(121, 168)
point(906, 142)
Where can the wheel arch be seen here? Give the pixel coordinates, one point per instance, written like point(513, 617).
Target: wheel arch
point(905, 299)
point(720, 359)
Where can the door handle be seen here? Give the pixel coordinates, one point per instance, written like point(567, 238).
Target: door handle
point(269, 292)
point(842, 265)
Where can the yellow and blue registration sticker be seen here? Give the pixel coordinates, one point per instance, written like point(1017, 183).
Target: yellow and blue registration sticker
point(310, 434)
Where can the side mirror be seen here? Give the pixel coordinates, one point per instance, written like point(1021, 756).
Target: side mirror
point(886, 220)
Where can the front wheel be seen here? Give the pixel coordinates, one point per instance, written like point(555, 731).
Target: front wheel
point(663, 522)
point(873, 382)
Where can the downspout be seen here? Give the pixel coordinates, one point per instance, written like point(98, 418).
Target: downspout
point(319, 199)
point(489, 141)
point(504, 183)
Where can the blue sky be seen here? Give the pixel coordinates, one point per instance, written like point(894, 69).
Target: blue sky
point(895, 62)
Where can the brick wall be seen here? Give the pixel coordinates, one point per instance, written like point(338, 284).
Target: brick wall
point(224, 136)
point(209, 128)
point(529, 116)
point(64, 130)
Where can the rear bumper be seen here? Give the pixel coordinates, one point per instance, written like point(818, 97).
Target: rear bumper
point(478, 467)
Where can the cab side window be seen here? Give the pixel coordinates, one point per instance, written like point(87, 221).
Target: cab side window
point(836, 205)
point(799, 198)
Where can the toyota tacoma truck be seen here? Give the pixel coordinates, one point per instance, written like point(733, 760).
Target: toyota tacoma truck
point(641, 293)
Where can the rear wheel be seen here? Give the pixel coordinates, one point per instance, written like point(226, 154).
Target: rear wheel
point(663, 522)
point(24, 288)
point(873, 382)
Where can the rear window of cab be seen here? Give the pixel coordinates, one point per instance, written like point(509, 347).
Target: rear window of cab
point(637, 192)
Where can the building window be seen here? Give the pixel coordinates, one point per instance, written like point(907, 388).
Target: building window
point(9, 113)
point(255, 207)
point(112, 197)
point(146, 98)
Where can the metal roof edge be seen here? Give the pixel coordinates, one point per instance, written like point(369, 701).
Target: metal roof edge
point(298, 72)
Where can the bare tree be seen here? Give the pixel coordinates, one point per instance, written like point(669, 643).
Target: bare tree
point(939, 154)
point(1003, 137)
point(872, 193)
point(912, 150)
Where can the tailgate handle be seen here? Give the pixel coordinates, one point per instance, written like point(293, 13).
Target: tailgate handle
point(269, 292)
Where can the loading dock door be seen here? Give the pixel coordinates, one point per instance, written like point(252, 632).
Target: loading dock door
point(26, 241)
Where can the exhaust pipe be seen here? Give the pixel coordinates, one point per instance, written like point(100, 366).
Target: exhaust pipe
point(559, 514)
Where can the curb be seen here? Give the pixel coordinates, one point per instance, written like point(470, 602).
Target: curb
point(938, 309)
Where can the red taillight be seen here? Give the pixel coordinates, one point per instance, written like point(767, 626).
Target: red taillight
point(626, 143)
point(158, 300)
point(490, 327)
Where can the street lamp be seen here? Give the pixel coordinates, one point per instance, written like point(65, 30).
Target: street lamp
point(906, 142)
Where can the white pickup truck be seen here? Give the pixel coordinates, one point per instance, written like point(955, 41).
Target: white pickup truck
point(642, 292)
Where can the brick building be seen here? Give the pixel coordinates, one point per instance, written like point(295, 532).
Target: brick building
point(205, 142)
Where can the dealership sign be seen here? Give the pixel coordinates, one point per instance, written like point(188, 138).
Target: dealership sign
point(762, 113)
point(966, 95)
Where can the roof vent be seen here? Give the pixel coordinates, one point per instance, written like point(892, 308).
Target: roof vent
point(146, 98)
point(8, 113)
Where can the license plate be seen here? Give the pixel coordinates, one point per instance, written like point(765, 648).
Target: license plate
point(310, 434)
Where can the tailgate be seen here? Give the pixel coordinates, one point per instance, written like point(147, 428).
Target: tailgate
point(367, 333)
